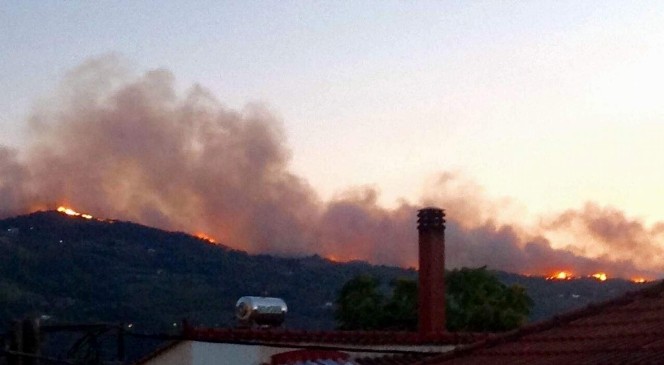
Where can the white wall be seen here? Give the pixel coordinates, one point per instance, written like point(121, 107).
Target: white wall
point(180, 354)
point(206, 353)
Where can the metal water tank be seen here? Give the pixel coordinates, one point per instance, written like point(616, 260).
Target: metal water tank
point(261, 311)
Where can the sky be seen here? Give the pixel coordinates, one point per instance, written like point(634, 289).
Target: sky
point(542, 106)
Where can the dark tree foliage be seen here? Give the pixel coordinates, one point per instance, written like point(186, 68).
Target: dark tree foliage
point(476, 302)
point(360, 304)
point(400, 311)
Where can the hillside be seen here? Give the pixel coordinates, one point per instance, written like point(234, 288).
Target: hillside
point(73, 269)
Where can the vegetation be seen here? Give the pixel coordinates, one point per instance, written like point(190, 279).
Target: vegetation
point(476, 301)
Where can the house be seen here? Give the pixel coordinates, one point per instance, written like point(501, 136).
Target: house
point(626, 330)
point(202, 346)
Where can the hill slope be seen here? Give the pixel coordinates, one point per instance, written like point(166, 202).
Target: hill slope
point(81, 270)
point(75, 269)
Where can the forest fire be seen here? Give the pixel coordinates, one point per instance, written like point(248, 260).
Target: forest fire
point(561, 275)
point(639, 280)
point(599, 276)
point(332, 258)
point(205, 237)
point(71, 212)
point(340, 258)
point(566, 275)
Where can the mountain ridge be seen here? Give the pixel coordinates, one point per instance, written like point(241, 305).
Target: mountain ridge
point(75, 269)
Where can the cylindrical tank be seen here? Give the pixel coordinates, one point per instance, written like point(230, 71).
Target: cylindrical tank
point(262, 311)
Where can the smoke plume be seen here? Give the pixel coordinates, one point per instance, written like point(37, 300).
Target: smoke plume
point(127, 146)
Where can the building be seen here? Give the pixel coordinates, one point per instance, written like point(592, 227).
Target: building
point(626, 330)
point(204, 346)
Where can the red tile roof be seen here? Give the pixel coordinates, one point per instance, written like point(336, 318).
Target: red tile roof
point(626, 330)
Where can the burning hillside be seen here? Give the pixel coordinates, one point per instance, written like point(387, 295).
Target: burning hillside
point(130, 147)
point(562, 275)
point(566, 275)
point(69, 211)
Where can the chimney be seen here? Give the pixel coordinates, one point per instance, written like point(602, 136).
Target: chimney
point(431, 291)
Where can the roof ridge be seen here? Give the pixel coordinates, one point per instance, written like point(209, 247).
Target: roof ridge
point(336, 336)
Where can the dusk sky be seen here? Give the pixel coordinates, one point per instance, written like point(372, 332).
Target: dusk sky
point(541, 106)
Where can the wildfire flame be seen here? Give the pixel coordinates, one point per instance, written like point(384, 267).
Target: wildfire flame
point(639, 280)
point(566, 275)
point(561, 275)
point(205, 237)
point(69, 211)
point(332, 258)
point(340, 258)
point(599, 276)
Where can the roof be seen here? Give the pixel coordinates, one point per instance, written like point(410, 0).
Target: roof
point(354, 338)
point(390, 347)
point(317, 356)
point(626, 330)
point(333, 357)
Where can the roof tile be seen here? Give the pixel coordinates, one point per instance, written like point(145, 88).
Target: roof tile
point(626, 330)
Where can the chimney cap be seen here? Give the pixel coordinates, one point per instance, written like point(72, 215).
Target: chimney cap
point(430, 217)
point(431, 208)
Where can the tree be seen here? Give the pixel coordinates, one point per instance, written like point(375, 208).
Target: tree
point(359, 304)
point(400, 311)
point(475, 301)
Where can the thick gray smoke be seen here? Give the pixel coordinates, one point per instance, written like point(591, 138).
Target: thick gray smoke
point(620, 237)
point(129, 147)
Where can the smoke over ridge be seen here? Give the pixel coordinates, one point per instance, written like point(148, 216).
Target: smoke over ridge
point(129, 147)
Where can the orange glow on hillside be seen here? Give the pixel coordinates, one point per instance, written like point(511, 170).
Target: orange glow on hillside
point(205, 237)
point(599, 276)
point(332, 258)
point(639, 280)
point(69, 211)
point(561, 275)
point(340, 258)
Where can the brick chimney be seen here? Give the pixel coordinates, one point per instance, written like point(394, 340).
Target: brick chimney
point(431, 291)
